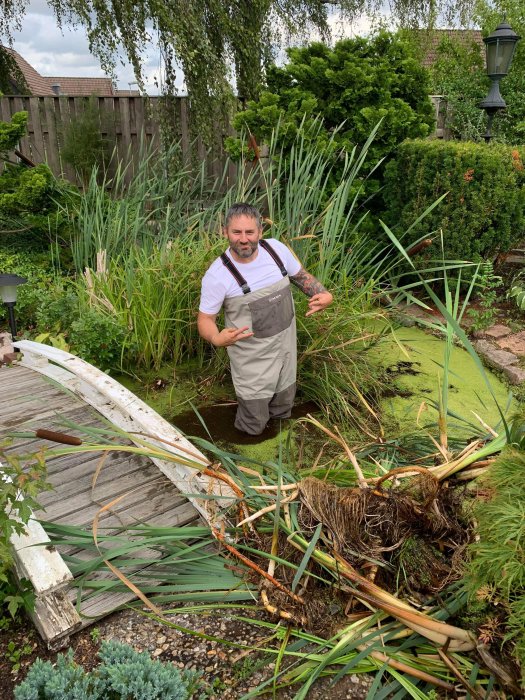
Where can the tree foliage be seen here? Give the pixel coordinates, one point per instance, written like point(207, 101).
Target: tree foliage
point(352, 87)
point(29, 196)
point(210, 39)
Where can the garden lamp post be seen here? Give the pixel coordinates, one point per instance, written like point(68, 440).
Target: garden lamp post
point(8, 285)
point(500, 46)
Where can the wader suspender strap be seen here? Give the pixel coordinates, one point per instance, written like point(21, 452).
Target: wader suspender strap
point(235, 272)
point(271, 252)
point(237, 275)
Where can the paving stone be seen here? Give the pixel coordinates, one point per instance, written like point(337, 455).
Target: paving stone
point(493, 356)
point(515, 375)
point(5, 344)
point(496, 332)
point(8, 357)
point(514, 343)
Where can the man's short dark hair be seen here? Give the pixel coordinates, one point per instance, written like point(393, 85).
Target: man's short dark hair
point(243, 209)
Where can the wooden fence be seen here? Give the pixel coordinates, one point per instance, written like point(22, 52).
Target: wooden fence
point(124, 122)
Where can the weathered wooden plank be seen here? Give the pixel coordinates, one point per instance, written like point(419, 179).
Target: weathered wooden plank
point(127, 473)
point(5, 110)
point(72, 466)
point(37, 140)
point(49, 396)
point(136, 505)
point(125, 128)
point(26, 389)
point(128, 412)
point(52, 144)
point(55, 616)
point(149, 497)
point(37, 415)
point(37, 560)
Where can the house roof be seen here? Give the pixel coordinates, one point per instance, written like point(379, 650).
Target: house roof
point(83, 86)
point(75, 87)
point(430, 41)
point(36, 83)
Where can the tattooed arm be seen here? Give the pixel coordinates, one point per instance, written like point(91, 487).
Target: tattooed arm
point(320, 297)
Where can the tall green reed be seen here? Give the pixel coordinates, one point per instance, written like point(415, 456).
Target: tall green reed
point(154, 295)
point(144, 207)
point(161, 230)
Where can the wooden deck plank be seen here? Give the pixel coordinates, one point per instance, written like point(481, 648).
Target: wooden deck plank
point(82, 472)
point(30, 401)
point(137, 505)
point(80, 493)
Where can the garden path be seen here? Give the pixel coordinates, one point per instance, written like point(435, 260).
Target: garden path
point(31, 401)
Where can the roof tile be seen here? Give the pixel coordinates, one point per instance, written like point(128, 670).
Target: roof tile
point(42, 86)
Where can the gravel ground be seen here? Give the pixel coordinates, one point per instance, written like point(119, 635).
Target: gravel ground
point(227, 672)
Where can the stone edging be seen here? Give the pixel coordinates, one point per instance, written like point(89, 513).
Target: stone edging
point(498, 346)
point(494, 347)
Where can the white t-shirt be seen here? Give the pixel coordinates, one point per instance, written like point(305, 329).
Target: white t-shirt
point(218, 284)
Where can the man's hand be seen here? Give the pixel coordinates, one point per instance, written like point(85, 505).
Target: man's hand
point(319, 302)
point(320, 297)
point(230, 336)
point(221, 339)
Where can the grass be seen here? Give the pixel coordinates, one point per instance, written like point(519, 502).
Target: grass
point(496, 572)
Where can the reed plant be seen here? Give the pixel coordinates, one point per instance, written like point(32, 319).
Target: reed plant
point(411, 650)
point(153, 293)
point(143, 250)
point(143, 207)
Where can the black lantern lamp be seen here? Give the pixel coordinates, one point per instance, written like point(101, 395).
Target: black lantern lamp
point(8, 285)
point(500, 46)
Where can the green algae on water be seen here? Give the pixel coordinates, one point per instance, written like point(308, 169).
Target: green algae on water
point(416, 370)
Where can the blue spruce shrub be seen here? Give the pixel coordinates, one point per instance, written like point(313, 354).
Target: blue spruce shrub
point(131, 674)
point(123, 674)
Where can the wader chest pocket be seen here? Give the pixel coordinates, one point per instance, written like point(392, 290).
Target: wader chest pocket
point(272, 314)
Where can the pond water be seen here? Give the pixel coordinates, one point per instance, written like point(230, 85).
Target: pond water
point(414, 360)
point(416, 369)
point(219, 421)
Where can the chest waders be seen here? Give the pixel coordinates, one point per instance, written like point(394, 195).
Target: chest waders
point(264, 366)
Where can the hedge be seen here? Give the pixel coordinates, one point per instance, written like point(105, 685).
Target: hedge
point(482, 213)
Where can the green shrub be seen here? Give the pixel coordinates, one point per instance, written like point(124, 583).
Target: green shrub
point(123, 674)
point(483, 210)
point(29, 196)
point(37, 270)
point(98, 339)
point(11, 132)
point(58, 309)
point(351, 86)
point(497, 562)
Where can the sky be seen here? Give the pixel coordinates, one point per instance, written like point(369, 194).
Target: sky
point(53, 52)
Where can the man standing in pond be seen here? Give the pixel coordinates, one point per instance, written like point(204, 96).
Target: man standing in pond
point(252, 280)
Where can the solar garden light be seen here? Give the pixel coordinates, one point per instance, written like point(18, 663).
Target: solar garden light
point(8, 285)
point(500, 47)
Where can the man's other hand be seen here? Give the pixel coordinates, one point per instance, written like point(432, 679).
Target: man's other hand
point(229, 336)
point(319, 302)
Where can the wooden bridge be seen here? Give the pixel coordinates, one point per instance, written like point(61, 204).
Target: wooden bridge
point(43, 390)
